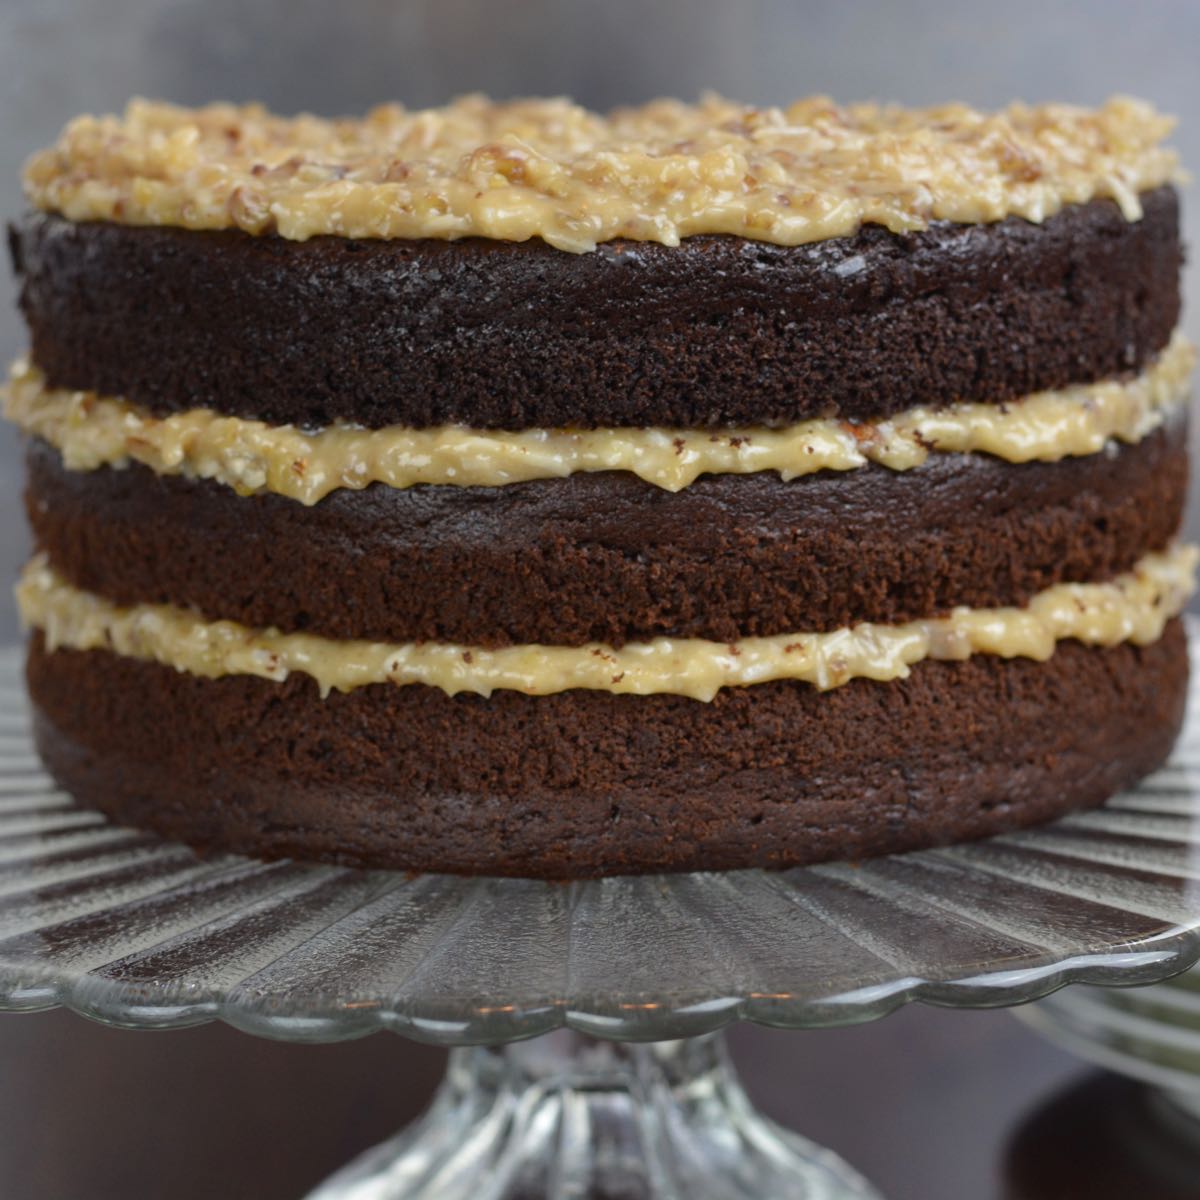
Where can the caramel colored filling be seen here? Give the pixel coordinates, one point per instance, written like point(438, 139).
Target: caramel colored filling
point(552, 170)
point(249, 456)
point(1134, 607)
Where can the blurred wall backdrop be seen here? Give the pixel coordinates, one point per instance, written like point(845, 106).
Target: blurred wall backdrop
point(60, 57)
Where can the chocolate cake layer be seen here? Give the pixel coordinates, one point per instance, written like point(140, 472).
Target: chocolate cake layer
point(583, 783)
point(719, 330)
point(607, 557)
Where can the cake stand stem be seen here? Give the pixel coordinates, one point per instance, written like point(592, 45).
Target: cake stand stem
point(568, 1116)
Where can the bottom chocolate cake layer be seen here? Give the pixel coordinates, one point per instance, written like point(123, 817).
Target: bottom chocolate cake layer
point(585, 783)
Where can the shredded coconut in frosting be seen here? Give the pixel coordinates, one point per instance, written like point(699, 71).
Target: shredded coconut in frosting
point(553, 170)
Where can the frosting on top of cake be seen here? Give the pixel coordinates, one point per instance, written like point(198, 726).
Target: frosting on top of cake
point(549, 169)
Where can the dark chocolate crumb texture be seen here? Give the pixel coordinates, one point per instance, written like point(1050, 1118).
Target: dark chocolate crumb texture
point(608, 558)
point(716, 331)
point(586, 783)
point(428, 503)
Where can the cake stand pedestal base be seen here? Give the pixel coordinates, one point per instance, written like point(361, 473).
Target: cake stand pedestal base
point(569, 1116)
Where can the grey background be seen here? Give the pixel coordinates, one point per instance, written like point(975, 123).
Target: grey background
point(60, 57)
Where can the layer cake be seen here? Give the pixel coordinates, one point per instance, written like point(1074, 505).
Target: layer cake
point(510, 489)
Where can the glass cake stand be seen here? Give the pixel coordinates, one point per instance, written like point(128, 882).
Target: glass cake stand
point(624, 984)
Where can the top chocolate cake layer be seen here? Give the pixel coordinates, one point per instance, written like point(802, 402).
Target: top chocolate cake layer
point(719, 330)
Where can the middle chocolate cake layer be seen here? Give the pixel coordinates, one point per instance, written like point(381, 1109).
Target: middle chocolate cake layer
point(717, 331)
point(607, 557)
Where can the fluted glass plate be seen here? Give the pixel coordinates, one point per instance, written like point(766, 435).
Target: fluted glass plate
point(130, 929)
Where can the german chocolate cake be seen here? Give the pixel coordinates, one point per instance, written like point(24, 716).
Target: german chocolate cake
point(511, 489)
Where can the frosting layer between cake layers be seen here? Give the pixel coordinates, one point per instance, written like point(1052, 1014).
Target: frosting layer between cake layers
point(1134, 607)
point(251, 456)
